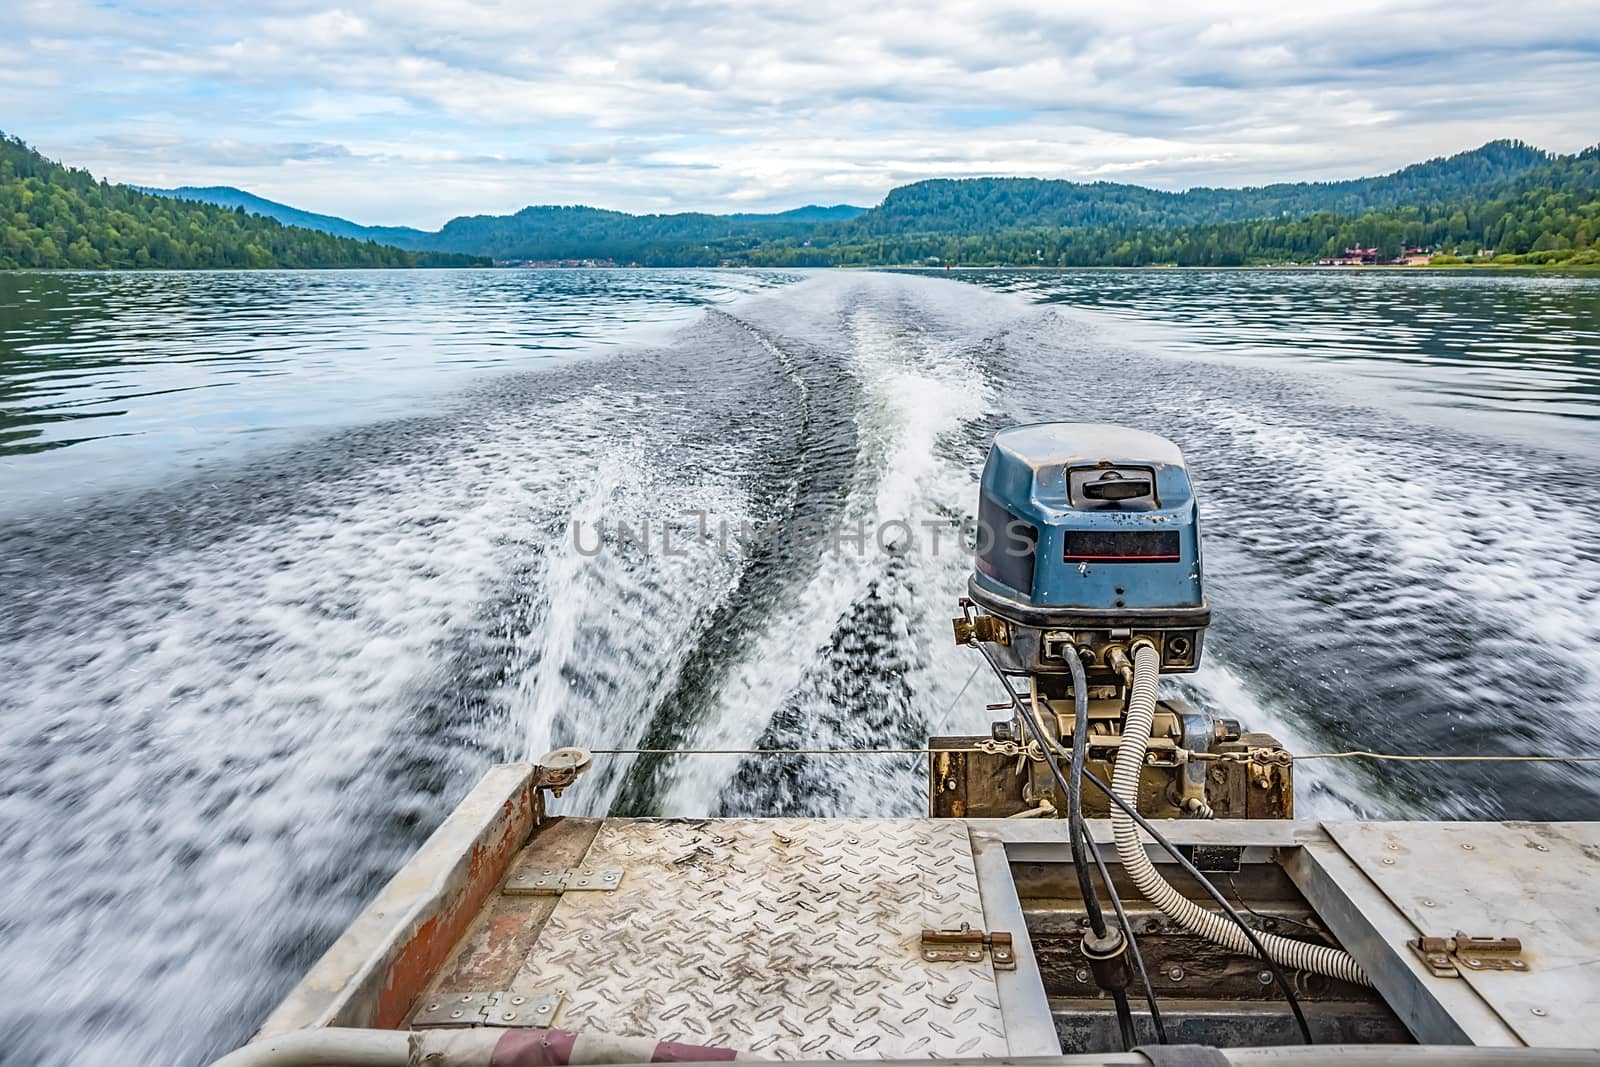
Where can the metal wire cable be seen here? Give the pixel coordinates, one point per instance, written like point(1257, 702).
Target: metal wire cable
point(1240, 757)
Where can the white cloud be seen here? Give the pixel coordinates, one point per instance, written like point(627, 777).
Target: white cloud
point(415, 112)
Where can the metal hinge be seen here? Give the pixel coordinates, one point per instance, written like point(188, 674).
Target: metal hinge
point(500, 1008)
point(548, 881)
point(1447, 957)
point(966, 945)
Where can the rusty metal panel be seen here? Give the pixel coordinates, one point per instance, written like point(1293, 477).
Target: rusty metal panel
point(787, 938)
point(1532, 881)
point(388, 954)
point(493, 948)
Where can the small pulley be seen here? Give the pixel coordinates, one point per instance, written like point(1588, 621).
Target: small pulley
point(560, 768)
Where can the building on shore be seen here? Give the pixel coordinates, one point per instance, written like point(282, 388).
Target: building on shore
point(1359, 256)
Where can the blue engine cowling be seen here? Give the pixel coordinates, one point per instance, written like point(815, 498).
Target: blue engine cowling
point(1091, 529)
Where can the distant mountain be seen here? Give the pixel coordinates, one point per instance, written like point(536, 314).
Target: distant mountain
point(809, 213)
point(61, 217)
point(979, 205)
point(689, 238)
point(536, 232)
point(229, 197)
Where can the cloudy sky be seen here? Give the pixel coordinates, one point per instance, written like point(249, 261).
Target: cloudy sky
point(386, 111)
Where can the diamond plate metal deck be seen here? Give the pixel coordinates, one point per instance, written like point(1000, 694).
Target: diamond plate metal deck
point(788, 938)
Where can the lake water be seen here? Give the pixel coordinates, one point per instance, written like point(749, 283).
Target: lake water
point(290, 558)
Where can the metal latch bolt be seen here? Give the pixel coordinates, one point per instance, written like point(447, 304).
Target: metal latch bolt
point(966, 945)
point(500, 1008)
point(1446, 957)
point(549, 881)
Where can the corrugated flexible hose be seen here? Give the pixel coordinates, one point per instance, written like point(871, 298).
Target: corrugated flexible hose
point(1154, 888)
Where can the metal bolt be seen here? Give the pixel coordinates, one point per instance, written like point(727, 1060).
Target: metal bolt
point(456, 1014)
point(1426, 903)
point(1389, 860)
point(466, 998)
point(518, 1000)
point(1466, 845)
point(544, 1009)
point(1474, 963)
point(585, 937)
point(431, 1007)
point(1393, 847)
point(1264, 977)
point(1082, 975)
point(1176, 974)
point(1540, 1012)
point(509, 1016)
point(1542, 848)
point(951, 998)
point(1517, 965)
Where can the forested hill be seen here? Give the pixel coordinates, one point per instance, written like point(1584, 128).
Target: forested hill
point(229, 197)
point(591, 233)
point(1547, 216)
point(54, 216)
point(980, 205)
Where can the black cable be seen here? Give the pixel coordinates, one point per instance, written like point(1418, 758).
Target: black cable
point(1124, 1020)
point(1133, 942)
point(1077, 833)
point(1178, 857)
point(1080, 830)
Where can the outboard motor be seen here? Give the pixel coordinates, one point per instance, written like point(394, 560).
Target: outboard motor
point(1089, 535)
point(1088, 546)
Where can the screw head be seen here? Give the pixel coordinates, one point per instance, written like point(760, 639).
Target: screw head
point(1388, 861)
point(1542, 848)
point(1082, 975)
point(1264, 977)
point(1176, 974)
point(1467, 846)
point(1426, 903)
point(951, 998)
point(1540, 1012)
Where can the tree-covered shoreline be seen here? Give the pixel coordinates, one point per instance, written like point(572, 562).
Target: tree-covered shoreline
point(1506, 203)
point(54, 217)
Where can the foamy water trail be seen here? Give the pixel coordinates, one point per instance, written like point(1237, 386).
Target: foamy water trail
point(914, 390)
